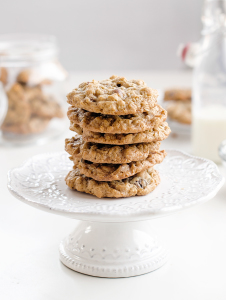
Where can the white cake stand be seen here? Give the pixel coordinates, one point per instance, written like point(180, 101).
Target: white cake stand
point(107, 242)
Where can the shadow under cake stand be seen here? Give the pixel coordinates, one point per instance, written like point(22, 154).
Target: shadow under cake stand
point(108, 242)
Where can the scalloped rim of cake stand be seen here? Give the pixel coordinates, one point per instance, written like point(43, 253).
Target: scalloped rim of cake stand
point(109, 217)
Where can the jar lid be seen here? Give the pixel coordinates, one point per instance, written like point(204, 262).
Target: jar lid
point(26, 49)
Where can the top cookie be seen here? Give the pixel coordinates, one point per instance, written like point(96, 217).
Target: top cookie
point(114, 96)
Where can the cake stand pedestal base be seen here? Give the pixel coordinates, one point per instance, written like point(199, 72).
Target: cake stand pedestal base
point(112, 249)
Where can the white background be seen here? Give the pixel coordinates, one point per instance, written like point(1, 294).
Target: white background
point(109, 34)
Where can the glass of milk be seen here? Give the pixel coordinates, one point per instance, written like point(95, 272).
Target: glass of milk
point(209, 84)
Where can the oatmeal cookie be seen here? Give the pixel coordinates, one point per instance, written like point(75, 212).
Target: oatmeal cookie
point(140, 184)
point(117, 124)
point(109, 154)
point(18, 107)
point(28, 107)
point(42, 105)
point(109, 172)
point(178, 94)
point(34, 125)
point(158, 133)
point(114, 96)
point(180, 112)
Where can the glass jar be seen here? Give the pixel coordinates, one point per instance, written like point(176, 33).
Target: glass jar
point(33, 83)
point(209, 84)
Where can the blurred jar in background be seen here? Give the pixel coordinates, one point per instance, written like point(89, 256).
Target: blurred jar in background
point(33, 81)
point(209, 83)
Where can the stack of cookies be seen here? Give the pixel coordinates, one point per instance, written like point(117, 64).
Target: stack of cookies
point(119, 126)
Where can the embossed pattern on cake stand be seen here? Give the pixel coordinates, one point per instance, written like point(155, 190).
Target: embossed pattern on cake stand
point(107, 242)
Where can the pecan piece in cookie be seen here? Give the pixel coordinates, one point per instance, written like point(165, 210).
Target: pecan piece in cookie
point(117, 124)
point(140, 184)
point(114, 96)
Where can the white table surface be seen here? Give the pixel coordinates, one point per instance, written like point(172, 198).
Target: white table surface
point(29, 260)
